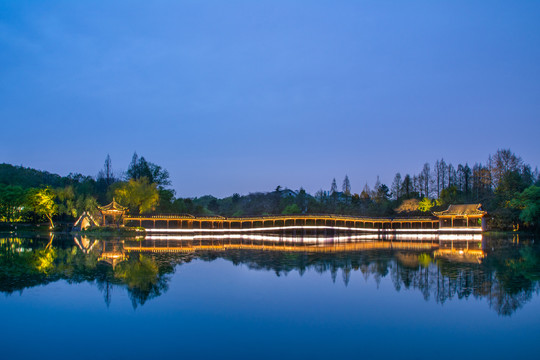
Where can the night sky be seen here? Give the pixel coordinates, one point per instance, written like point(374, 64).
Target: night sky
point(242, 96)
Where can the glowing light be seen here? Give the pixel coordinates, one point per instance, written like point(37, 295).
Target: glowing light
point(341, 228)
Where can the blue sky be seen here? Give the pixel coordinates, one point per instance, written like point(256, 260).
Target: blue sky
point(242, 96)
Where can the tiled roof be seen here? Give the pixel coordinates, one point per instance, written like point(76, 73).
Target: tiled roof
point(114, 206)
point(464, 209)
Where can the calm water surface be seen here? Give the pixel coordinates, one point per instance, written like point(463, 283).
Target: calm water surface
point(83, 298)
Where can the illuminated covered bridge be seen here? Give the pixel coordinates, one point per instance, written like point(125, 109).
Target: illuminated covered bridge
point(181, 223)
point(436, 223)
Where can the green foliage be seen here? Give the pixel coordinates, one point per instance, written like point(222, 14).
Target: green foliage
point(503, 218)
point(449, 195)
point(41, 202)
point(139, 195)
point(291, 209)
point(529, 203)
point(424, 260)
point(425, 204)
point(12, 199)
point(140, 168)
point(29, 178)
point(44, 260)
point(141, 272)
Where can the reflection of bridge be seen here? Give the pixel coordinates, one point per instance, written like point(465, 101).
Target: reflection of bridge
point(464, 248)
point(188, 247)
point(187, 223)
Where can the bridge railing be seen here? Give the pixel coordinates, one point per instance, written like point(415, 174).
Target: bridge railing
point(278, 216)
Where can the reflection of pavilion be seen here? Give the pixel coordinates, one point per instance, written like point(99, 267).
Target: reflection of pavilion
point(114, 211)
point(464, 251)
point(463, 256)
point(85, 244)
point(112, 252)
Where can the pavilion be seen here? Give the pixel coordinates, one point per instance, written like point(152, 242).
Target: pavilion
point(462, 216)
point(114, 211)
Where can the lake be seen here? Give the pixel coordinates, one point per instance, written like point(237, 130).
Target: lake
point(430, 296)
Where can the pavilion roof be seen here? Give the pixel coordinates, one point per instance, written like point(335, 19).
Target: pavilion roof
point(463, 209)
point(113, 207)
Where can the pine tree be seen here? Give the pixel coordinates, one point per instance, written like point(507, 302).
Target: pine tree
point(346, 186)
point(109, 176)
point(333, 187)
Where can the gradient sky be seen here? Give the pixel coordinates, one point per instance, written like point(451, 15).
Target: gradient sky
point(242, 96)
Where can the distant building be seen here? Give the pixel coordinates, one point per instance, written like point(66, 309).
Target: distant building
point(288, 193)
point(462, 216)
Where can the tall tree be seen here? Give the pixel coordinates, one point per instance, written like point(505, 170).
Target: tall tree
point(366, 193)
point(302, 200)
point(437, 177)
point(333, 187)
point(443, 174)
point(502, 162)
point(396, 186)
point(406, 187)
point(464, 178)
point(451, 175)
point(334, 194)
point(107, 168)
point(426, 174)
point(139, 168)
point(346, 187)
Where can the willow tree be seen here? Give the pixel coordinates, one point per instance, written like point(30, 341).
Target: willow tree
point(139, 195)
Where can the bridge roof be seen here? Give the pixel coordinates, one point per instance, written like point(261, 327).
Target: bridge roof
point(463, 209)
point(277, 217)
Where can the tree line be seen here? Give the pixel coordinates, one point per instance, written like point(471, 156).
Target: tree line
point(507, 187)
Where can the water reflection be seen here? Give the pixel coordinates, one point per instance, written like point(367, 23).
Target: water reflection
point(503, 271)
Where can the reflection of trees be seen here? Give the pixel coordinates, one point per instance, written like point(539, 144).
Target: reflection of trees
point(507, 278)
point(28, 262)
point(141, 275)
